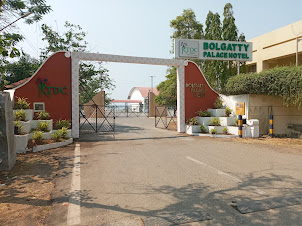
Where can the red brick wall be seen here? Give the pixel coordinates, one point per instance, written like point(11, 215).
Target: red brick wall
point(57, 71)
point(200, 97)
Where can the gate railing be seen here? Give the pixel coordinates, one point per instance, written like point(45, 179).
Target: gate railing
point(95, 118)
point(165, 117)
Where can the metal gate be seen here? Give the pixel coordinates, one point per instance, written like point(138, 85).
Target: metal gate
point(165, 117)
point(95, 118)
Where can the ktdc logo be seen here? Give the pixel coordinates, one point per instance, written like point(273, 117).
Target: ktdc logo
point(189, 49)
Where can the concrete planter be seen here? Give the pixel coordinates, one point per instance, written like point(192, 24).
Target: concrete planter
point(227, 121)
point(68, 132)
point(34, 123)
point(233, 130)
point(29, 114)
point(192, 129)
point(52, 146)
point(217, 112)
point(21, 143)
point(25, 126)
point(204, 120)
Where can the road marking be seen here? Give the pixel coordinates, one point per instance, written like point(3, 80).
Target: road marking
point(225, 174)
point(74, 207)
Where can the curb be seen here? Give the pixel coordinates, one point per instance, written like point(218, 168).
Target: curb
point(52, 146)
point(212, 135)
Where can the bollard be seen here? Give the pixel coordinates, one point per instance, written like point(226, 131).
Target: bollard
point(271, 125)
point(240, 124)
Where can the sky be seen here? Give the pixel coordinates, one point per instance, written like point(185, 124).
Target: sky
point(142, 28)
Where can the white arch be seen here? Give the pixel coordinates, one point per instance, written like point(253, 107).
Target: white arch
point(76, 57)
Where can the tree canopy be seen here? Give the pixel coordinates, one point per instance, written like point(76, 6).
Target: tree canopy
point(24, 68)
point(10, 12)
point(168, 89)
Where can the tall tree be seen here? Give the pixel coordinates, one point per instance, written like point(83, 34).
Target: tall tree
point(93, 76)
point(186, 26)
point(213, 69)
point(230, 33)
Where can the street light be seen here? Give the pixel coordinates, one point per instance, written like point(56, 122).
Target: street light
point(25, 15)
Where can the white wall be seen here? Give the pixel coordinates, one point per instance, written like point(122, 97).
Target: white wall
point(231, 101)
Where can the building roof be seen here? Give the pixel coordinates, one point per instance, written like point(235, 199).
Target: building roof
point(16, 84)
point(144, 91)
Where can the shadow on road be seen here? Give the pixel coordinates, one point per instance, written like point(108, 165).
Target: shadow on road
point(200, 198)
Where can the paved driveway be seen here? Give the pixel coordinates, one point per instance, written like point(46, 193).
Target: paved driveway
point(151, 176)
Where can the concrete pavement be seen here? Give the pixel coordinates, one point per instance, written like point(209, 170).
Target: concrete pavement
point(151, 176)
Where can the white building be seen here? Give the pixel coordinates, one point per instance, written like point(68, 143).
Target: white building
point(141, 94)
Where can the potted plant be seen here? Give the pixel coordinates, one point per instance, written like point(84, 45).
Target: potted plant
point(20, 116)
point(218, 110)
point(63, 123)
point(20, 138)
point(203, 129)
point(23, 104)
point(225, 130)
point(213, 131)
point(215, 124)
point(228, 112)
point(42, 116)
point(193, 126)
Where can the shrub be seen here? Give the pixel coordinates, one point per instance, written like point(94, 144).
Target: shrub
point(56, 136)
point(19, 127)
point(228, 112)
point(42, 126)
point(22, 103)
point(284, 82)
point(236, 121)
point(63, 133)
point(204, 113)
point(20, 115)
point(63, 123)
point(218, 103)
point(214, 122)
point(38, 137)
point(43, 115)
point(225, 130)
point(193, 121)
point(203, 129)
point(214, 131)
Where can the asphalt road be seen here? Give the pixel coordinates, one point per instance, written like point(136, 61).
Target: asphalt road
point(151, 176)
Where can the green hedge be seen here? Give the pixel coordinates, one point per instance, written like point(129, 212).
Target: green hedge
point(285, 82)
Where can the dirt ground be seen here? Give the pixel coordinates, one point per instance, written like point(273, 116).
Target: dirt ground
point(25, 197)
point(286, 145)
